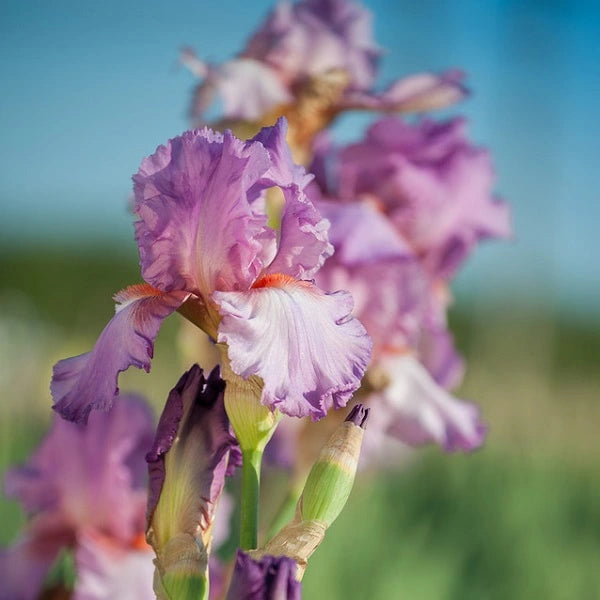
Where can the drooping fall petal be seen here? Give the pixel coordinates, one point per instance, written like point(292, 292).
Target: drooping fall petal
point(418, 411)
point(89, 381)
point(304, 344)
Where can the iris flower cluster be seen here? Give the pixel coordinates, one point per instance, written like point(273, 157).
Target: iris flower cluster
point(320, 275)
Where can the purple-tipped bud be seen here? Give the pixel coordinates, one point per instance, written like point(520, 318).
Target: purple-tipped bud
point(193, 450)
point(358, 415)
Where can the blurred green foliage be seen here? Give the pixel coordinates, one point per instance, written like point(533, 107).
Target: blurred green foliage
point(519, 519)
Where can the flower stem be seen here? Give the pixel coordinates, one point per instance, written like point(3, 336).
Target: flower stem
point(286, 510)
point(251, 462)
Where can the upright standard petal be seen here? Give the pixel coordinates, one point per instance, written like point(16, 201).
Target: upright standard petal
point(89, 380)
point(420, 412)
point(269, 578)
point(312, 37)
point(303, 241)
point(309, 351)
point(198, 229)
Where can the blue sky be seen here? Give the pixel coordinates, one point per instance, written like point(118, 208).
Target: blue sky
point(89, 88)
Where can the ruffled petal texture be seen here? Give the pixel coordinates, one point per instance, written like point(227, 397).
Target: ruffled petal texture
point(418, 411)
point(269, 578)
point(197, 227)
point(390, 288)
point(303, 241)
point(304, 344)
point(89, 381)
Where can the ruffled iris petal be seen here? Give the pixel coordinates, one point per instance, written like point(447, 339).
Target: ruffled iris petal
point(304, 344)
point(303, 242)
point(420, 412)
point(197, 229)
point(89, 380)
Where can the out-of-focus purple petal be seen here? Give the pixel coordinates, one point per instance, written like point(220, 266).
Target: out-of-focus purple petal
point(390, 298)
point(372, 261)
point(418, 411)
point(435, 187)
point(270, 578)
point(193, 423)
point(438, 354)
point(416, 93)
point(304, 344)
point(247, 87)
point(303, 244)
point(89, 381)
point(218, 574)
point(197, 229)
point(92, 476)
point(24, 566)
point(362, 234)
point(106, 571)
point(314, 36)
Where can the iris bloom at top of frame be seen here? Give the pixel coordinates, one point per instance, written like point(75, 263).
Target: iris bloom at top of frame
point(311, 60)
point(206, 249)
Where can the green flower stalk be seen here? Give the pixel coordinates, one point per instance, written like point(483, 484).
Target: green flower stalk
point(254, 425)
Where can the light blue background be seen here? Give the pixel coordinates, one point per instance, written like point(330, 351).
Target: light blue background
point(89, 88)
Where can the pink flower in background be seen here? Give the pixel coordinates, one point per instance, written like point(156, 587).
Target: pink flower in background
point(397, 302)
point(206, 249)
point(305, 42)
point(85, 488)
point(435, 187)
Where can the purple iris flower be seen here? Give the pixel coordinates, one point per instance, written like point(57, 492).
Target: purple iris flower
point(403, 310)
point(303, 42)
point(206, 250)
point(85, 488)
point(435, 187)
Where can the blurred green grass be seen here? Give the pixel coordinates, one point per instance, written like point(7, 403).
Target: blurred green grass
point(519, 519)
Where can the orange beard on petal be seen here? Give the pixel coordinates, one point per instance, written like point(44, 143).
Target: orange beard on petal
point(278, 280)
